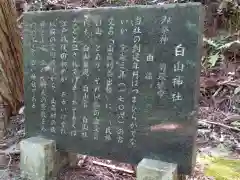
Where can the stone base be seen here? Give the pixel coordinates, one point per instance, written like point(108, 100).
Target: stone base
point(40, 160)
point(149, 169)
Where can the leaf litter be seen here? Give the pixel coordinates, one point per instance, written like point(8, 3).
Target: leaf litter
point(219, 112)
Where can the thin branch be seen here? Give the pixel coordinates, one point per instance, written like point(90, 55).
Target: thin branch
point(113, 167)
point(220, 124)
point(20, 18)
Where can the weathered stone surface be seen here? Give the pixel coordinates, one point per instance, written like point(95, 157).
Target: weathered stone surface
point(2, 133)
point(3, 161)
point(39, 158)
point(3, 118)
point(149, 169)
point(119, 83)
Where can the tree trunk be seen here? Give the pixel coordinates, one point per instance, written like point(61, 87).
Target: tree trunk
point(11, 59)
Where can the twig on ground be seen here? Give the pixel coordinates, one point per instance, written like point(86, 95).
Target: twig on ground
point(11, 150)
point(9, 142)
point(113, 167)
point(20, 18)
point(220, 124)
point(10, 160)
point(218, 90)
point(231, 118)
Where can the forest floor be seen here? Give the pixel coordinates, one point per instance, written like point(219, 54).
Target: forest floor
point(219, 113)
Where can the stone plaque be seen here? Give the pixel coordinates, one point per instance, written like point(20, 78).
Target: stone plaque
point(118, 83)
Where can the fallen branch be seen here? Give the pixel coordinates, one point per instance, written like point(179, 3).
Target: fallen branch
point(220, 124)
point(231, 118)
point(11, 150)
point(9, 142)
point(113, 167)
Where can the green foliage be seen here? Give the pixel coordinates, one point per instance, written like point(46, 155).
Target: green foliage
point(214, 51)
point(213, 59)
point(234, 16)
point(221, 168)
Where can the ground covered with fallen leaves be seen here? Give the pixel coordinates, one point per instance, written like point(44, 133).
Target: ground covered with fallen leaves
point(219, 113)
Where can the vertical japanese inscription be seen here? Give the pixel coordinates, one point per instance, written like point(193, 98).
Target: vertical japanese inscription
point(178, 68)
point(124, 30)
point(75, 76)
point(165, 21)
point(149, 75)
point(85, 75)
point(33, 76)
point(161, 78)
point(97, 82)
point(109, 81)
point(52, 55)
point(96, 108)
point(63, 74)
point(121, 97)
point(136, 50)
point(122, 89)
point(43, 80)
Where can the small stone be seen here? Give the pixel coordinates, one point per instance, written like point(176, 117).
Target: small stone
point(149, 169)
point(39, 159)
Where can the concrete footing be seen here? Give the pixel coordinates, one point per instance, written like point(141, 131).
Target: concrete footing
point(149, 169)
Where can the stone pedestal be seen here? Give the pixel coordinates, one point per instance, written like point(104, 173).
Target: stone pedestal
point(149, 169)
point(40, 160)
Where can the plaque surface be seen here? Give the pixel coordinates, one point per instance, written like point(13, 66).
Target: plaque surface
point(118, 83)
